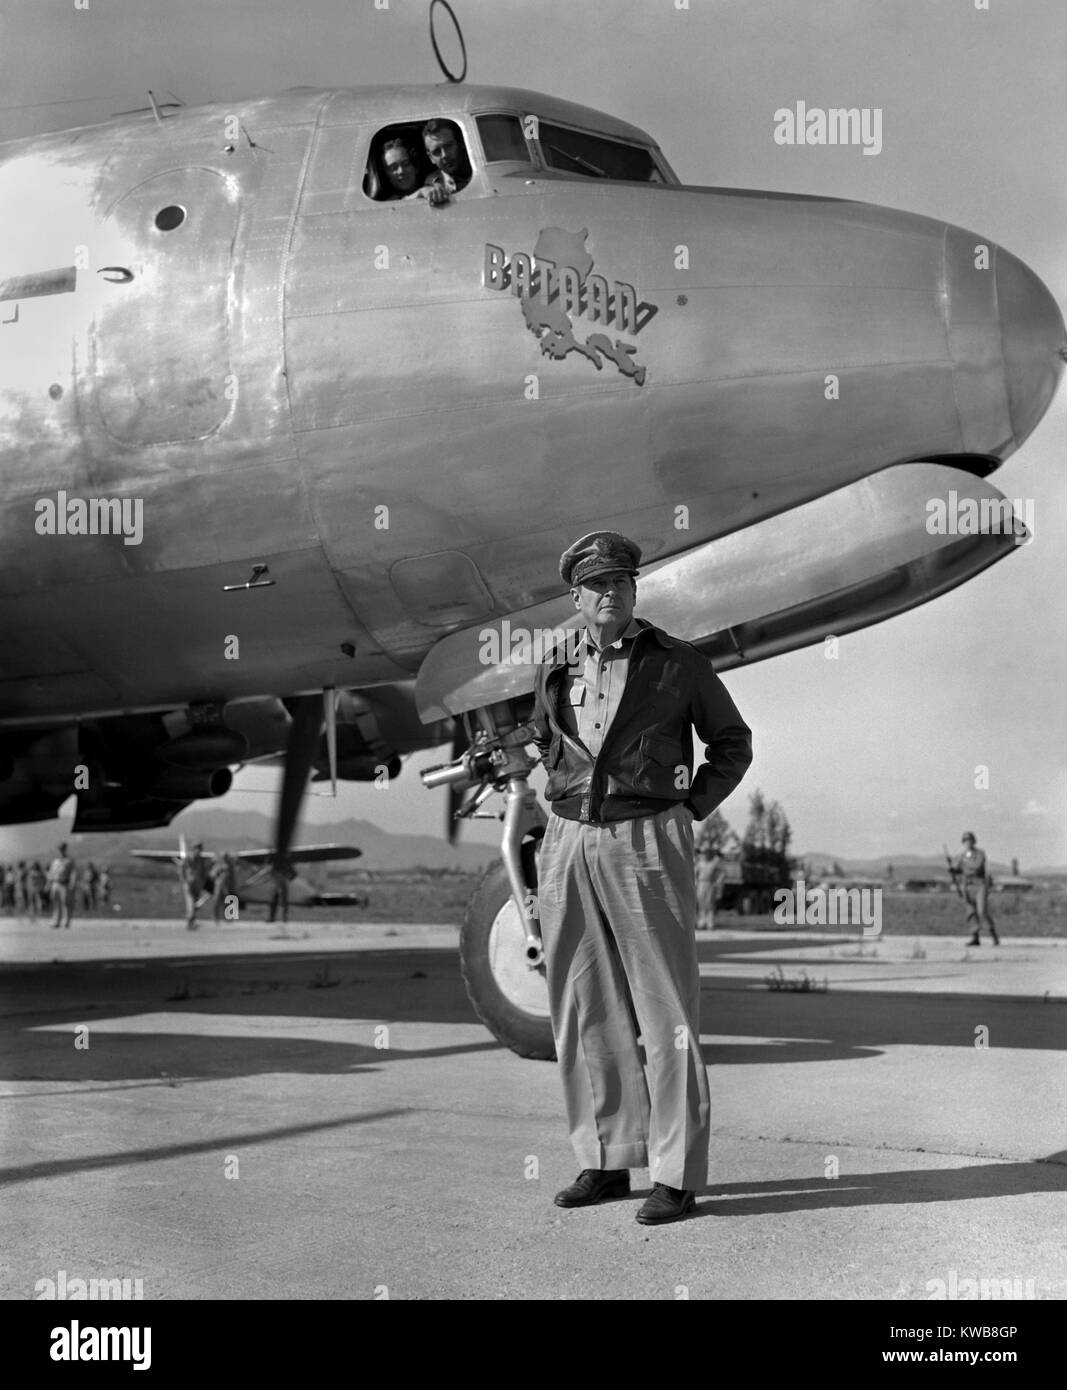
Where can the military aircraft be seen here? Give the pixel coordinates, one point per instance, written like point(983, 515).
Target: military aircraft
point(254, 880)
point(278, 451)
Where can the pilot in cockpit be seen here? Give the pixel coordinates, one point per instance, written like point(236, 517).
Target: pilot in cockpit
point(444, 148)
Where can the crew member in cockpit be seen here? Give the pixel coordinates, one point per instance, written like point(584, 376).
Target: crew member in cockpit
point(444, 149)
point(401, 171)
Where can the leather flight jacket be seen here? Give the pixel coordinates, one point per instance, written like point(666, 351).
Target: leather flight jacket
point(645, 763)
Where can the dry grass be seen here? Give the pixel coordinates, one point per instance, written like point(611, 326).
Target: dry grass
point(433, 896)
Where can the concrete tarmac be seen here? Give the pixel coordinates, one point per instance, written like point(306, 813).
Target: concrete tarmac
point(315, 1112)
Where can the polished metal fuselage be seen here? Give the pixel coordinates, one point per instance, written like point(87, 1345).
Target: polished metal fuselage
point(300, 377)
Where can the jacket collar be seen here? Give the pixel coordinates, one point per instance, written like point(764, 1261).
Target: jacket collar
point(558, 662)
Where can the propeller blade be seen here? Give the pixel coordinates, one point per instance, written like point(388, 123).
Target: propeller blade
point(304, 734)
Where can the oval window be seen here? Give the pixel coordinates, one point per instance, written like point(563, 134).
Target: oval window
point(170, 217)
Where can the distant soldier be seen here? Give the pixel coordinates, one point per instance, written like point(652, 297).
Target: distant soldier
point(224, 886)
point(709, 878)
point(280, 896)
point(22, 886)
point(193, 872)
point(90, 885)
point(37, 884)
point(9, 887)
point(104, 886)
point(62, 885)
point(970, 866)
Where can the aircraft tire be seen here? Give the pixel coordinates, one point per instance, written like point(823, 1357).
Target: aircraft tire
point(509, 998)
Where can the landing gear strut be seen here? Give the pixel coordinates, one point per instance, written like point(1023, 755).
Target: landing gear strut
point(501, 953)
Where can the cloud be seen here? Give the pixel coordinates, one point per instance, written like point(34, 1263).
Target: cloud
point(1033, 809)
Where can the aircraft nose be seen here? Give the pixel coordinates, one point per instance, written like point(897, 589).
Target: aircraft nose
point(1033, 342)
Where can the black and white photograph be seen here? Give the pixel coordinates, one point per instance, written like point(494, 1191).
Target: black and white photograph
point(533, 754)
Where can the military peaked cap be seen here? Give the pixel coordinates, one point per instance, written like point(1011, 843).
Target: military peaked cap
point(601, 552)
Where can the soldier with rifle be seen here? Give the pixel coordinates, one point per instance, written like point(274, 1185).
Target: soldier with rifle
point(971, 867)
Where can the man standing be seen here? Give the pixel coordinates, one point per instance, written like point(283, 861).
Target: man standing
point(971, 866)
point(193, 872)
point(224, 886)
point(89, 887)
point(280, 893)
point(22, 886)
point(444, 149)
point(62, 885)
point(38, 884)
point(709, 877)
point(617, 900)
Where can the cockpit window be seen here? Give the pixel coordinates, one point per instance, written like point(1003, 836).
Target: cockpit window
point(407, 158)
point(503, 139)
point(595, 156)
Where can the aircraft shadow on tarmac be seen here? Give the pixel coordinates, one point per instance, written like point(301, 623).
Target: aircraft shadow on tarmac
point(397, 987)
point(902, 1186)
point(245, 1139)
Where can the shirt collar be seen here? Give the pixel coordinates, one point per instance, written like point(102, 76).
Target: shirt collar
point(628, 633)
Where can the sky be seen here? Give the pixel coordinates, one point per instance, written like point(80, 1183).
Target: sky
point(872, 754)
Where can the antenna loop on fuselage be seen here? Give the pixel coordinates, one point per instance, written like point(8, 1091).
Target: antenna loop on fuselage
point(459, 34)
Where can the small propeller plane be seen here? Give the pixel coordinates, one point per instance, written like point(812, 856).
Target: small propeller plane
point(278, 449)
point(254, 883)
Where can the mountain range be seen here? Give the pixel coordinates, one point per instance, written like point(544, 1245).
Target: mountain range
point(382, 849)
point(248, 830)
point(906, 866)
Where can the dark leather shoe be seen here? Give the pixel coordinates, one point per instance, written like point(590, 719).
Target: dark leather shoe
point(666, 1204)
point(974, 941)
point(595, 1185)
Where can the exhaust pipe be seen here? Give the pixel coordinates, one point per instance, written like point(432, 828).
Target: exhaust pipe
point(186, 784)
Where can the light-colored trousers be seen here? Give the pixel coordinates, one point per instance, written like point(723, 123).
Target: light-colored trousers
point(618, 908)
point(62, 903)
point(976, 895)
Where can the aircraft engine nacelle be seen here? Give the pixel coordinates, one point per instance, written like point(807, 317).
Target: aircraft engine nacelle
point(190, 784)
point(366, 769)
point(372, 730)
point(202, 749)
point(45, 764)
point(126, 772)
point(360, 766)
